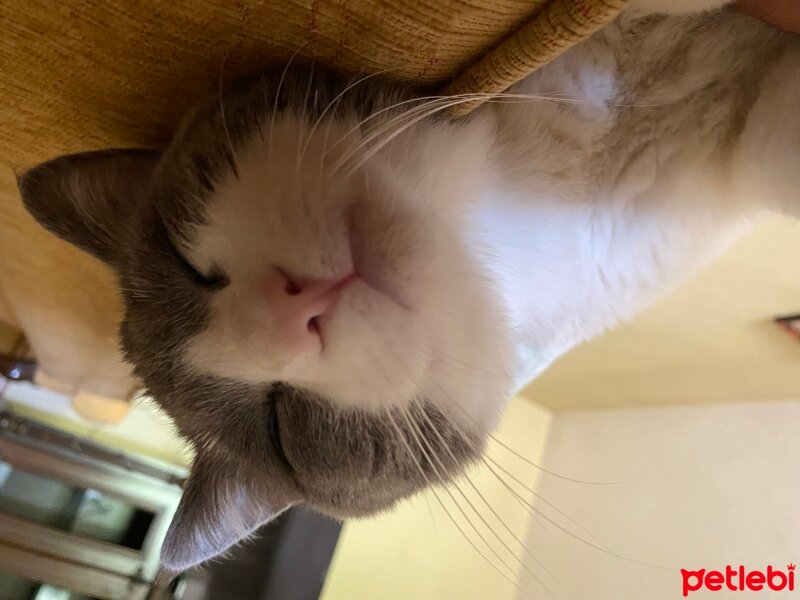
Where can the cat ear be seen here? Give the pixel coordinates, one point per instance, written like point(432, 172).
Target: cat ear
point(216, 511)
point(85, 198)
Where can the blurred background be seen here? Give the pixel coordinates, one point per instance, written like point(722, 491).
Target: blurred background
point(669, 443)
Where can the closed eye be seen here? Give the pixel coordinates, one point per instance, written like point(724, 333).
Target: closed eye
point(213, 280)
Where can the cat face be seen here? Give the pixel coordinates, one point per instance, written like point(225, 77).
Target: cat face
point(303, 295)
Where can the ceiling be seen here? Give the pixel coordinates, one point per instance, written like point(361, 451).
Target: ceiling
point(711, 341)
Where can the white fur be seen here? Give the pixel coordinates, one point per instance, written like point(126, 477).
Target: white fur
point(511, 239)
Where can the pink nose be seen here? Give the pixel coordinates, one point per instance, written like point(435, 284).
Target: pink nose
point(299, 302)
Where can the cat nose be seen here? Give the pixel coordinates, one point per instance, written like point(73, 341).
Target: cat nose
point(298, 302)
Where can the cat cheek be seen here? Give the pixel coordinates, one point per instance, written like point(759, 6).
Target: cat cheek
point(246, 340)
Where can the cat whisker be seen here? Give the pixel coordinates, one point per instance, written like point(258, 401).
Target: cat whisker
point(384, 140)
point(389, 130)
point(430, 509)
point(458, 368)
point(530, 462)
point(439, 103)
point(233, 163)
point(535, 511)
point(358, 126)
point(465, 516)
point(278, 94)
point(422, 103)
point(449, 102)
point(463, 368)
point(521, 543)
point(301, 133)
point(543, 500)
point(426, 100)
point(432, 426)
point(499, 394)
point(334, 104)
point(431, 486)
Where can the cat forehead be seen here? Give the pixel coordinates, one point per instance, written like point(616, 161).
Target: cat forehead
point(278, 107)
point(205, 154)
point(224, 121)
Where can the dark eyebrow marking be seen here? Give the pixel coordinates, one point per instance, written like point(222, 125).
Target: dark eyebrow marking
point(214, 280)
point(203, 171)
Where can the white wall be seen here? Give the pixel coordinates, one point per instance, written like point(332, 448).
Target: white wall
point(701, 487)
point(417, 553)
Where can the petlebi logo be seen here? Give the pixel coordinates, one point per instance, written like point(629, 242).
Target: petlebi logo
point(739, 579)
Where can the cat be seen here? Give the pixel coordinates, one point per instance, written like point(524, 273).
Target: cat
point(333, 287)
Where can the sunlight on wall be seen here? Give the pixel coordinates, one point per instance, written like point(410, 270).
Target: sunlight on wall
point(416, 552)
point(712, 340)
point(701, 487)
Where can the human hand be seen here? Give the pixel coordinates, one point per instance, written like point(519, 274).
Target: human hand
point(784, 14)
